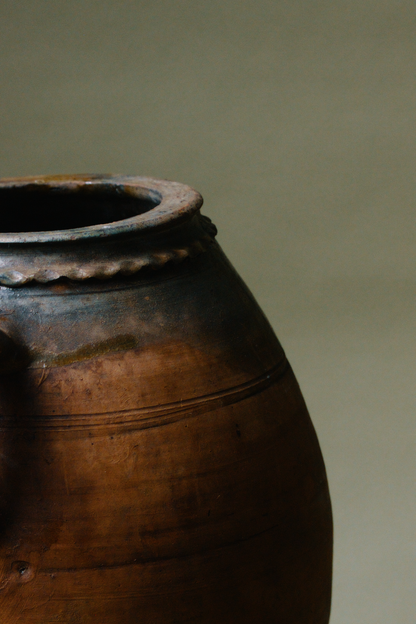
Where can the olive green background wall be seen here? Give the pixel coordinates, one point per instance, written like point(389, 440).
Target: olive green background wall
point(297, 122)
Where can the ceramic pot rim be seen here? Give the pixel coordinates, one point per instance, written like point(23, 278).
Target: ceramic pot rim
point(174, 203)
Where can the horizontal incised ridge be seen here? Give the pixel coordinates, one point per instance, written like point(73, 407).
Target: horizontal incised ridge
point(151, 416)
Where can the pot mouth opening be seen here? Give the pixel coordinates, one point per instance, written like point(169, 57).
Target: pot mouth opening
point(71, 208)
point(44, 207)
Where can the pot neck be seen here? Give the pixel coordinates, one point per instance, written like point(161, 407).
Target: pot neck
point(82, 227)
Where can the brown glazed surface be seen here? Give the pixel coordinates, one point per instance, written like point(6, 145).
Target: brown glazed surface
point(157, 461)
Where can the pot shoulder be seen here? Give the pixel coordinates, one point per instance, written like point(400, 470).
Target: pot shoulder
point(186, 332)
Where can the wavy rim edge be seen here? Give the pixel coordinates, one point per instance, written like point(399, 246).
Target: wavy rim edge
point(101, 270)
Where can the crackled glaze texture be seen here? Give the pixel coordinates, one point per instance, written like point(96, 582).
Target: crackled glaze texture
point(157, 461)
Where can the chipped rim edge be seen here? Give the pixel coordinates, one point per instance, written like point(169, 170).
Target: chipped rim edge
point(176, 202)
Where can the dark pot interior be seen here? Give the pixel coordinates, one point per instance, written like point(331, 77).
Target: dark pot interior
point(42, 207)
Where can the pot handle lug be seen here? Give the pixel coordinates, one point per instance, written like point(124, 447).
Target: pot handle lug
point(13, 356)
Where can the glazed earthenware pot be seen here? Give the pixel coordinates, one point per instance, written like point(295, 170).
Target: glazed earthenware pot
point(157, 461)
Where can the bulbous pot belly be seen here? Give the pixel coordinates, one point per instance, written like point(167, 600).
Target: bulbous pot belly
point(157, 461)
point(179, 480)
